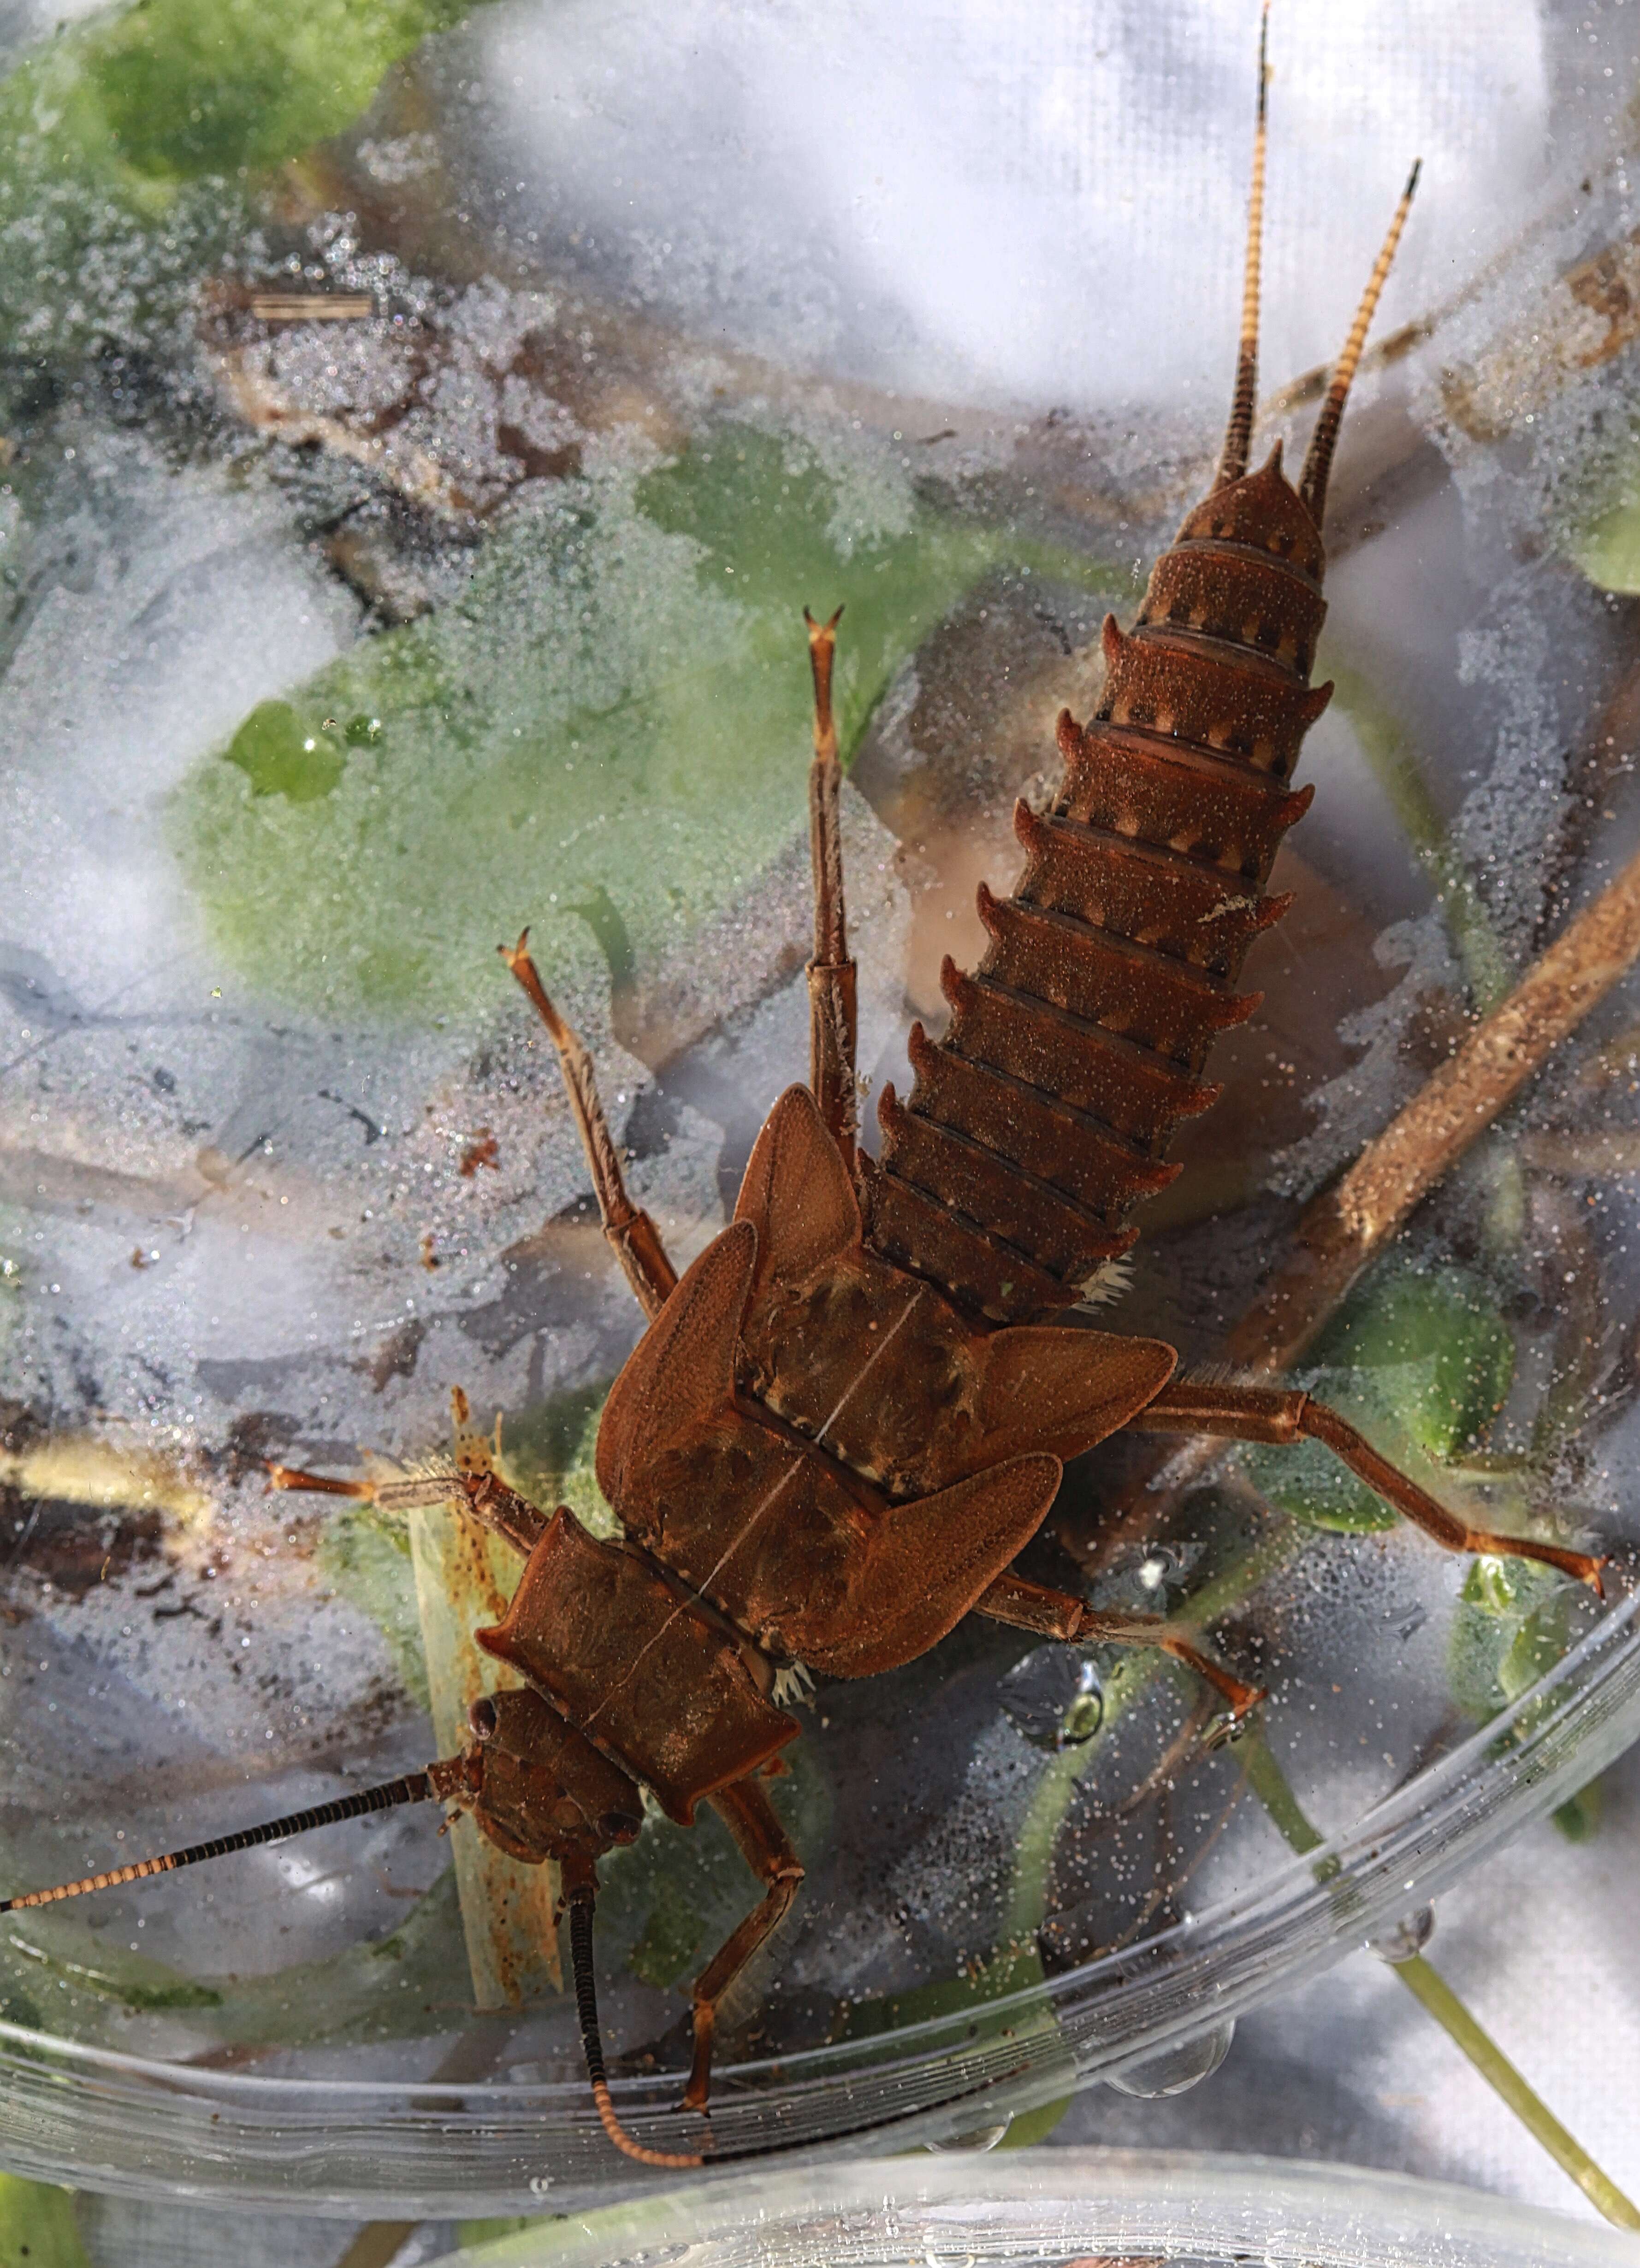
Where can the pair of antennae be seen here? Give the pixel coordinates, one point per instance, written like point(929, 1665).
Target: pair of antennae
point(1239, 434)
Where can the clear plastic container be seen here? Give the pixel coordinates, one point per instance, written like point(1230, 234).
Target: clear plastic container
point(296, 731)
point(1061, 2209)
point(123, 2123)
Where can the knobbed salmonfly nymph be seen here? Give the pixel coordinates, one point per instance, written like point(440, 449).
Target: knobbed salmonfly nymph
point(852, 1414)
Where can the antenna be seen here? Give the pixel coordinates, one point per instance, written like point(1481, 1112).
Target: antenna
point(414, 1787)
point(1319, 463)
point(1239, 433)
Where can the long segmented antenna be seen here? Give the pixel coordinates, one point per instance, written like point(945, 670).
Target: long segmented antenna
point(1239, 433)
point(1319, 463)
point(581, 1901)
point(414, 1787)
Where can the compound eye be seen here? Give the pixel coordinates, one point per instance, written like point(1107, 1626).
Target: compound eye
point(481, 1717)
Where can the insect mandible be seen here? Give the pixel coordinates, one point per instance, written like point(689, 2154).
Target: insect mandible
point(851, 1415)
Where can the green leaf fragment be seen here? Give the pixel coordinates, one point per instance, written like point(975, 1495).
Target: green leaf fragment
point(671, 1938)
point(1608, 549)
point(668, 1901)
point(144, 1987)
point(1027, 2128)
point(1015, 1969)
point(279, 756)
point(1512, 1626)
point(550, 1451)
point(471, 2234)
point(171, 91)
point(1578, 1818)
point(607, 733)
point(38, 2228)
point(124, 142)
point(1421, 1361)
point(364, 1554)
point(403, 1986)
point(186, 87)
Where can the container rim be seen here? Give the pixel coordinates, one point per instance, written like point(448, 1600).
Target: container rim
point(103, 2118)
point(1036, 2203)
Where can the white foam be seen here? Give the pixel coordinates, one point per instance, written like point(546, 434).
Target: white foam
point(190, 603)
point(976, 199)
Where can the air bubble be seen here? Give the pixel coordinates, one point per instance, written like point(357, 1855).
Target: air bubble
point(1407, 1937)
point(975, 2138)
point(1053, 1697)
point(1174, 2070)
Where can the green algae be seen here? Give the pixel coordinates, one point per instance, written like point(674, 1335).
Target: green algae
point(1422, 1356)
point(131, 145)
point(613, 714)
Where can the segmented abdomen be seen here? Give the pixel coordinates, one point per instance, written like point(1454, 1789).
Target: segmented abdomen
point(1044, 1114)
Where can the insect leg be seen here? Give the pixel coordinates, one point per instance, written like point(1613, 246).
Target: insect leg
point(750, 1818)
point(629, 1229)
point(1284, 1416)
point(832, 999)
point(511, 1516)
point(1057, 1613)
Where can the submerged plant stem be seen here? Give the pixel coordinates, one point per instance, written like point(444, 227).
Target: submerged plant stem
point(1427, 1986)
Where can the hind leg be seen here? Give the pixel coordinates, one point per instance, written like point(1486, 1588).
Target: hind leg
point(1055, 1614)
point(629, 1231)
point(832, 1000)
point(1285, 1415)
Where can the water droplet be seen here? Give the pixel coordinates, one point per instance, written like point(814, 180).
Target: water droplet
point(1407, 1938)
point(975, 2138)
point(1172, 2070)
point(1053, 1697)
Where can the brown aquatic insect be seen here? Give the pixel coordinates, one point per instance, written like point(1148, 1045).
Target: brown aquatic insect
point(848, 1418)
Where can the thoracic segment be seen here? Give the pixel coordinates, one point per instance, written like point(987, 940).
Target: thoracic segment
point(1043, 1116)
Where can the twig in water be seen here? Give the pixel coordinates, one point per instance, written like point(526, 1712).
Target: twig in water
point(1430, 1989)
point(312, 307)
point(1348, 1225)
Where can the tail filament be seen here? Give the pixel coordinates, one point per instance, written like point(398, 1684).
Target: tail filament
point(581, 1900)
point(1319, 463)
point(1239, 433)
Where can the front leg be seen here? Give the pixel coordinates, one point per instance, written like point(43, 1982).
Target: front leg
point(833, 1011)
point(750, 1818)
point(1030, 1606)
point(1284, 1416)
